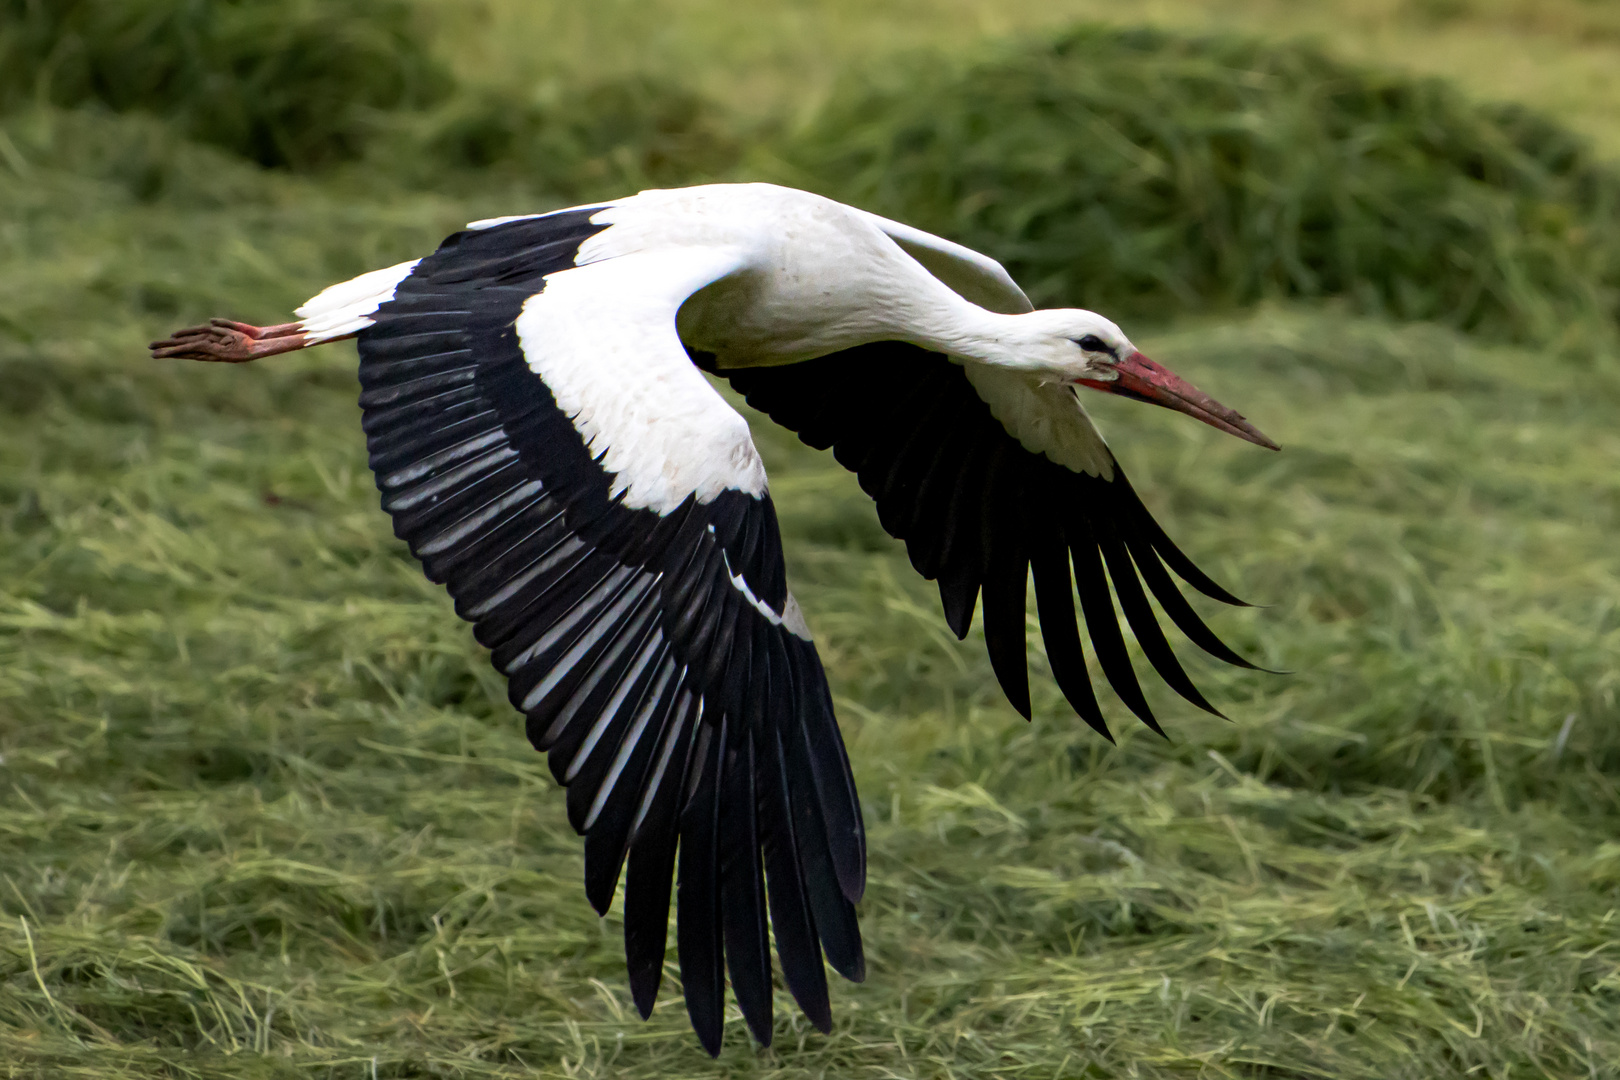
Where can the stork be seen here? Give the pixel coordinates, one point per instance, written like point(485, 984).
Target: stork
point(545, 439)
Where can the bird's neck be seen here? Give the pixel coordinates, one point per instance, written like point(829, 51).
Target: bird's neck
point(961, 328)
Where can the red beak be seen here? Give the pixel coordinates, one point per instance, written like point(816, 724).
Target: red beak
point(1144, 380)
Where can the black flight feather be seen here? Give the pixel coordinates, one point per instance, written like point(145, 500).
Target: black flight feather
point(1134, 602)
point(1091, 582)
point(831, 910)
point(742, 898)
point(1060, 629)
point(697, 919)
point(651, 865)
point(607, 839)
point(797, 945)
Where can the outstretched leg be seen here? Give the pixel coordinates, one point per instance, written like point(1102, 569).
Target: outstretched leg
point(340, 311)
point(227, 342)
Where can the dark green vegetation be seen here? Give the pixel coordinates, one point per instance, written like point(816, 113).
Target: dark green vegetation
point(265, 811)
point(1147, 172)
point(282, 83)
point(305, 84)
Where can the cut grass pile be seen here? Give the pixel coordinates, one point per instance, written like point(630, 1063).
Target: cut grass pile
point(1136, 171)
point(304, 85)
point(781, 56)
point(284, 82)
point(266, 812)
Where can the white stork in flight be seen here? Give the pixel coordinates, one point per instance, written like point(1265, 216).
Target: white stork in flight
point(544, 437)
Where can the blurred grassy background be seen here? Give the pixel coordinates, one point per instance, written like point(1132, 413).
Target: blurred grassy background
point(1559, 55)
point(265, 811)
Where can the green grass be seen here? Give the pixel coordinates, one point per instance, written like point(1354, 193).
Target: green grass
point(265, 812)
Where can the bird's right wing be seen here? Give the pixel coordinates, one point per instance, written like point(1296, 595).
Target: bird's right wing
point(973, 275)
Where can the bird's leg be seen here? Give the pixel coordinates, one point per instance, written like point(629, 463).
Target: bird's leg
point(227, 342)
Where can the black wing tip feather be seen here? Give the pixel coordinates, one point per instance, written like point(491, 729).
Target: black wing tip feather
point(742, 895)
point(1005, 598)
point(1054, 598)
point(958, 595)
point(1180, 611)
point(1136, 513)
point(699, 939)
point(797, 946)
point(644, 992)
point(1145, 625)
point(651, 865)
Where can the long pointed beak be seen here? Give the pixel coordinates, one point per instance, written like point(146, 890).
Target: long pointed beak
point(1144, 380)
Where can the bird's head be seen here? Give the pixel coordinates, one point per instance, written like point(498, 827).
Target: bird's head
point(1085, 349)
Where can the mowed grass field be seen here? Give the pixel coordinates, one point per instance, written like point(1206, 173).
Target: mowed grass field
point(265, 811)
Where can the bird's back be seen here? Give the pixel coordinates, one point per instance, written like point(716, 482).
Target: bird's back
point(814, 276)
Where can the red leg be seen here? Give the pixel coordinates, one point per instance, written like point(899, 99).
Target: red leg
point(227, 342)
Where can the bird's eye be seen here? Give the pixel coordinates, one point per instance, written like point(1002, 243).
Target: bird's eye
point(1093, 343)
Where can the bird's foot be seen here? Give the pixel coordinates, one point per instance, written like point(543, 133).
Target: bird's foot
point(227, 342)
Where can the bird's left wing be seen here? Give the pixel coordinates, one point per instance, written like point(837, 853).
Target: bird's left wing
point(599, 513)
point(991, 478)
point(972, 274)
